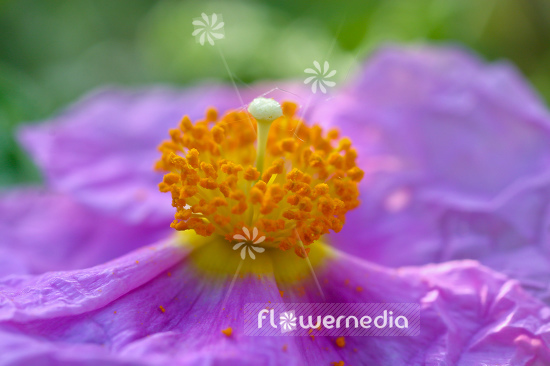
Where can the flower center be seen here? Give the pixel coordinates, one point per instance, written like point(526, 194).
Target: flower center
point(290, 185)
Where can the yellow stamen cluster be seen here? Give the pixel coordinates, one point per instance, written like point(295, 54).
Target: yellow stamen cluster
point(308, 184)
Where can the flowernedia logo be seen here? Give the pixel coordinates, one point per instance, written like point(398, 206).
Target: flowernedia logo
point(320, 77)
point(208, 28)
point(248, 242)
point(332, 319)
point(287, 321)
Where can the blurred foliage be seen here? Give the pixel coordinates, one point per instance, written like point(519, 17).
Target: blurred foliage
point(52, 52)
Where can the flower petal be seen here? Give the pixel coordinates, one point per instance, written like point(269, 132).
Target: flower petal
point(456, 153)
point(57, 294)
point(469, 315)
point(102, 150)
point(44, 231)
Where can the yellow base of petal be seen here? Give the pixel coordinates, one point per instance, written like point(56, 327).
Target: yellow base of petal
point(213, 256)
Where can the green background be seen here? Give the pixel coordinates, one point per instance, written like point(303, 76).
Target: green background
point(52, 51)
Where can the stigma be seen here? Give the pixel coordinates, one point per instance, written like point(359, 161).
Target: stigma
point(286, 180)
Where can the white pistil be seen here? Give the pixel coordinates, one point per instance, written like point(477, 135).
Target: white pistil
point(265, 111)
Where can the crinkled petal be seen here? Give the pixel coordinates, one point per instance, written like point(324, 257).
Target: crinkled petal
point(26, 298)
point(102, 150)
point(453, 123)
point(44, 231)
point(470, 314)
point(453, 149)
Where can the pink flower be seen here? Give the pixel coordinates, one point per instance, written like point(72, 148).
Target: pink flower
point(173, 302)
